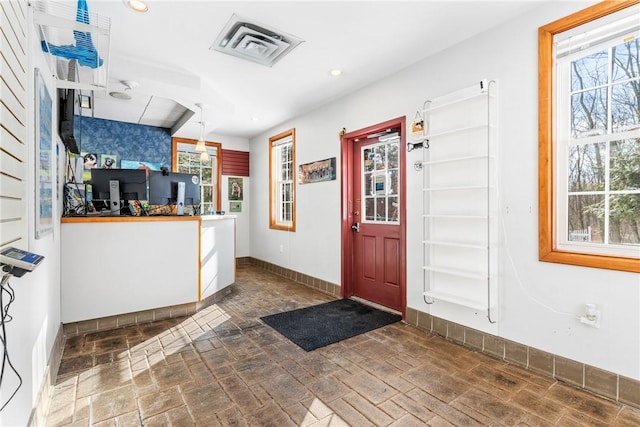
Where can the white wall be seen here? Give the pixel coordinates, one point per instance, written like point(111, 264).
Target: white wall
point(539, 302)
point(243, 220)
point(36, 309)
point(314, 248)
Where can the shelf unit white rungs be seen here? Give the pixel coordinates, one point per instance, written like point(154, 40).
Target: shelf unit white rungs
point(456, 272)
point(454, 216)
point(455, 244)
point(454, 131)
point(456, 159)
point(456, 299)
point(461, 187)
point(480, 94)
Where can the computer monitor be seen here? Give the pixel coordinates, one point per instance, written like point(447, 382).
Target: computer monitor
point(163, 189)
point(116, 187)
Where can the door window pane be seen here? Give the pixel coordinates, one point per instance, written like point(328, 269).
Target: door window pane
point(368, 184)
point(370, 209)
point(367, 159)
point(393, 181)
point(380, 181)
point(393, 207)
point(380, 157)
point(381, 209)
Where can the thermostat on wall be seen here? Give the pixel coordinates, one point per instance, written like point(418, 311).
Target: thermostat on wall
point(19, 258)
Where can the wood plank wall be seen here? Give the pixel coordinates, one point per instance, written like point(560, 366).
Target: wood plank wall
point(13, 123)
point(235, 163)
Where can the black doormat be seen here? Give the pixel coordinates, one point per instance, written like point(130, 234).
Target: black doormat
point(320, 325)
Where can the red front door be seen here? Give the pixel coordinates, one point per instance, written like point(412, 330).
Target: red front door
point(376, 215)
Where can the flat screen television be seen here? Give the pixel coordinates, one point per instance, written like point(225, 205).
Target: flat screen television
point(66, 105)
point(132, 185)
point(163, 188)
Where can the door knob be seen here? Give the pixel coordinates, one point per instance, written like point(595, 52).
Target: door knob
point(356, 227)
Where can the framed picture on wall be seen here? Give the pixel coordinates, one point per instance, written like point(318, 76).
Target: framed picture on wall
point(108, 161)
point(139, 164)
point(235, 189)
point(319, 171)
point(235, 207)
point(43, 158)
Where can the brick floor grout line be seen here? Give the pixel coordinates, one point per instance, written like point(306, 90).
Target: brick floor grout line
point(361, 380)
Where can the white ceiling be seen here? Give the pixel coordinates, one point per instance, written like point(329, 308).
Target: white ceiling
point(166, 51)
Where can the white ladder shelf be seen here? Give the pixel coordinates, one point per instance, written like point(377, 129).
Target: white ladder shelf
point(459, 199)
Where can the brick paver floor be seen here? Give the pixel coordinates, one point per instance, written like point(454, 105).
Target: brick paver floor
point(224, 367)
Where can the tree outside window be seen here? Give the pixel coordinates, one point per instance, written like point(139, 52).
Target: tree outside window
point(590, 138)
point(603, 165)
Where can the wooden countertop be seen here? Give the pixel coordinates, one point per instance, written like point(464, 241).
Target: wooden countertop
point(126, 218)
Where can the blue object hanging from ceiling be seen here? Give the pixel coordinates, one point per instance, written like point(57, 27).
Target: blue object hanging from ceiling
point(84, 50)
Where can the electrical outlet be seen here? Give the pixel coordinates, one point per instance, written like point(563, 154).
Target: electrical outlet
point(591, 316)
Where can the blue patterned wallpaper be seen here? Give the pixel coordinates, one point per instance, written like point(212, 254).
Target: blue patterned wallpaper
point(124, 141)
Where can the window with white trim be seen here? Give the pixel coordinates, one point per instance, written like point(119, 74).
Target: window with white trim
point(590, 196)
point(598, 139)
point(282, 209)
point(186, 159)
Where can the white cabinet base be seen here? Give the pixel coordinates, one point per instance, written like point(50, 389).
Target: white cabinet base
point(114, 266)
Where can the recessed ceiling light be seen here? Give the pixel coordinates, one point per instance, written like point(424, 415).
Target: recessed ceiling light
point(255, 119)
point(137, 5)
point(335, 72)
point(120, 95)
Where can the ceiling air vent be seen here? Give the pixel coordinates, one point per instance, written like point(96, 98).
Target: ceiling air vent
point(254, 42)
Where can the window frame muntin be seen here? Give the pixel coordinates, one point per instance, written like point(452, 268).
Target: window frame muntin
point(217, 145)
point(547, 250)
point(273, 221)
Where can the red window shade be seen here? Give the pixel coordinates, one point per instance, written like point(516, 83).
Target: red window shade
point(235, 162)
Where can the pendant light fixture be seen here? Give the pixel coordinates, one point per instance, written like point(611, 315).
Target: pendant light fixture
point(204, 157)
point(201, 147)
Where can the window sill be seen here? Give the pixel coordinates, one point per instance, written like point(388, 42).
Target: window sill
point(595, 261)
point(282, 227)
